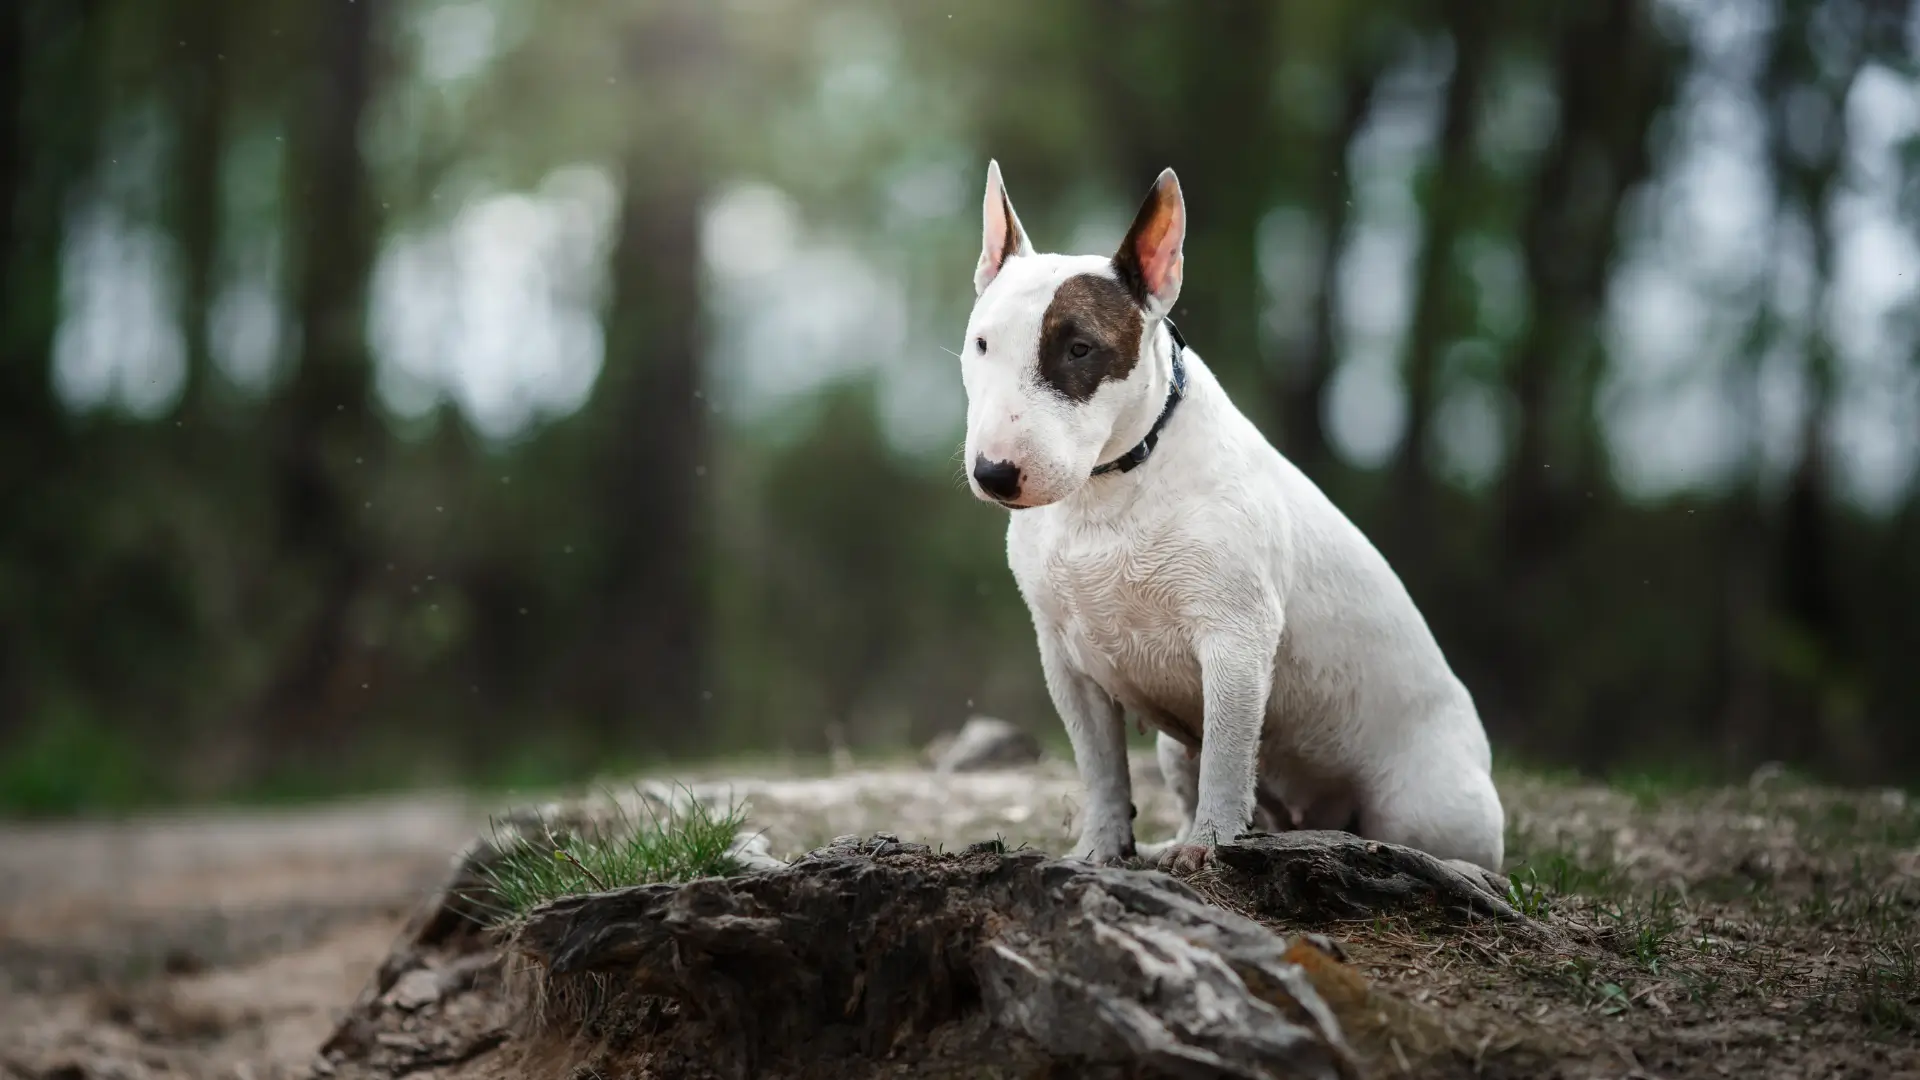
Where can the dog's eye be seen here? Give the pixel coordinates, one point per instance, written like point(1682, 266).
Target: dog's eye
point(980, 344)
point(1080, 349)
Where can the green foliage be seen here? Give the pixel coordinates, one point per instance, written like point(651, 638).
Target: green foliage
point(286, 580)
point(1650, 786)
point(1528, 894)
point(70, 763)
point(1887, 988)
point(1562, 873)
point(681, 843)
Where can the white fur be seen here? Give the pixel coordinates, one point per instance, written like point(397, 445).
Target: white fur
point(1216, 590)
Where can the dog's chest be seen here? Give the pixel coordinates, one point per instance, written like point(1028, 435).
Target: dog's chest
point(1118, 597)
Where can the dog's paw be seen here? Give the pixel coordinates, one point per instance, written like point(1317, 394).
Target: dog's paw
point(1150, 853)
point(1186, 858)
point(1103, 852)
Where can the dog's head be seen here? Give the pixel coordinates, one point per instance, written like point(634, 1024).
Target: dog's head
point(1065, 362)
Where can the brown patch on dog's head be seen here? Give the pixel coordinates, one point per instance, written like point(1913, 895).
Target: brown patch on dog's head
point(1094, 317)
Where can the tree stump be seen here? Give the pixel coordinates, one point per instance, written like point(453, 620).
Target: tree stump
point(1315, 877)
point(866, 948)
point(876, 958)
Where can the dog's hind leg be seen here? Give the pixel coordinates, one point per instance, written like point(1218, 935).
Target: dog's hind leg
point(1180, 768)
point(1448, 813)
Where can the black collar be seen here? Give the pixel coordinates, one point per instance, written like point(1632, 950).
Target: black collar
point(1132, 459)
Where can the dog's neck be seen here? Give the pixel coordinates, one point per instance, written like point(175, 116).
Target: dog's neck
point(1107, 492)
point(1137, 454)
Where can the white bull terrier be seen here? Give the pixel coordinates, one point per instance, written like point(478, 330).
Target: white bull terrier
point(1176, 565)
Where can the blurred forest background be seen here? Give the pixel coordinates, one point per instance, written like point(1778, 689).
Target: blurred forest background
point(404, 391)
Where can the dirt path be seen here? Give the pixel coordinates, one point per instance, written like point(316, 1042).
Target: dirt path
point(228, 944)
point(206, 945)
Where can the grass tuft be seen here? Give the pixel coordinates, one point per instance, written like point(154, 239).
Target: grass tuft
point(1541, 876)
point(1887, 989)
point(681, 842)
point(1529, 894)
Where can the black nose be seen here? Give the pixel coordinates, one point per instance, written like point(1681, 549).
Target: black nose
point(1000, 479)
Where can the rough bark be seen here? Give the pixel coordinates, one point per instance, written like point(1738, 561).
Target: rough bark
point(1309, 877)
point(866, 947)
point(873, 957)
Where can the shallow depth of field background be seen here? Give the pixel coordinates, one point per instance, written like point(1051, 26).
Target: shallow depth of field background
point(412, 391)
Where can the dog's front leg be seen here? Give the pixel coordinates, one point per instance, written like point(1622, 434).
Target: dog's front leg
point(1236, 677)
point(1097, 729)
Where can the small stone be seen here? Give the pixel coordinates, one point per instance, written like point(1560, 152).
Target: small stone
point(751, 851)
point(1767, 773)
point(400, 1041)
point(984, 743)
point(1327, 945)
point(415, 990)
point(936, 749)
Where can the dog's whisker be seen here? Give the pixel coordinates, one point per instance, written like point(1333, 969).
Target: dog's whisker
point(949, 352)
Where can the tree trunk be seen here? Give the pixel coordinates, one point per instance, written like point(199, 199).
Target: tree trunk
point(13, 150)
point(1615, 74)
point(49, 112)
point(648, 675)
point(1805, 591)
point(1806, 585)
point(1429, 332)
point(1227, 166)
point(1303, 392)
point(200, 104)
point(1739, 641)
point(1614, 78)
point(19, 368)
point(324, 419)
point(1212, 128)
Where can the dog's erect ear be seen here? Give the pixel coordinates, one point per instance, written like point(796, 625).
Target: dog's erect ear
point(1001, 237)
point(1150, 257)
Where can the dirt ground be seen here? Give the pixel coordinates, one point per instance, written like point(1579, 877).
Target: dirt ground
point(1768, 930)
